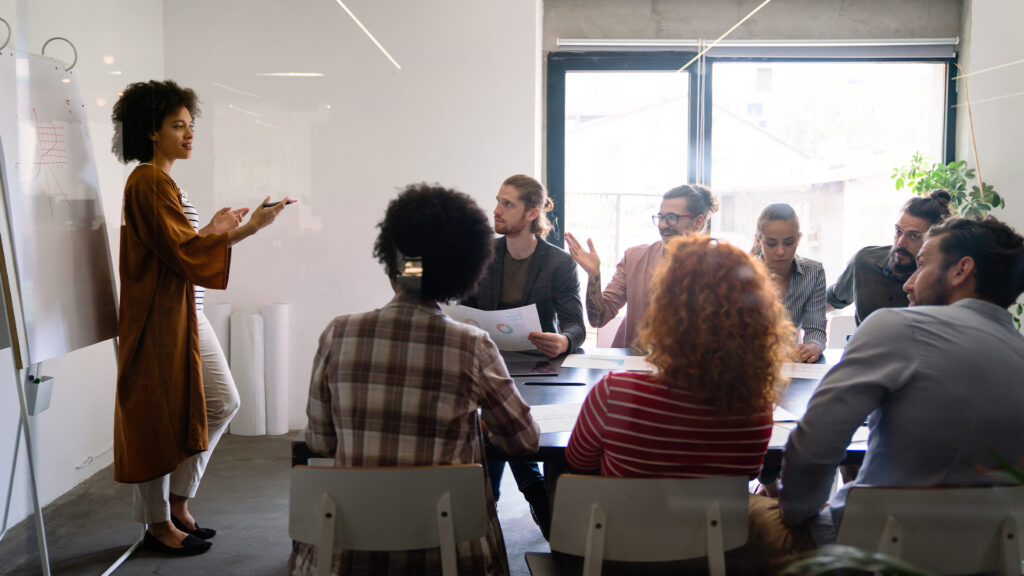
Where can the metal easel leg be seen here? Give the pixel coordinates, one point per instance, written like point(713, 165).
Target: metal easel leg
point(131, 550)
point(44, 554)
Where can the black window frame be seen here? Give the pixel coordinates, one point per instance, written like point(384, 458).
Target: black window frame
point(559, 63)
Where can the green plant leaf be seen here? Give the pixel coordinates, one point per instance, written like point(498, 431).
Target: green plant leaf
point(835, 559)
point(1005, 465)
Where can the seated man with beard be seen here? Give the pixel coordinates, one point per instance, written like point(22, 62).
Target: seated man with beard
point(875, 275)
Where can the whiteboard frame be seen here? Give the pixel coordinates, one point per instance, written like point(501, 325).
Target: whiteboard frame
point(23, 337)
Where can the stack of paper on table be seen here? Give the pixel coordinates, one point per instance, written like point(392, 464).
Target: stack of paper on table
point(606, 359)
point(808, 371)
point(556, 417)
point(562, 417)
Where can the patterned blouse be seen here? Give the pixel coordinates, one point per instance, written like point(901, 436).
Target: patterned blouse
point(805, 299)
point(403, 386)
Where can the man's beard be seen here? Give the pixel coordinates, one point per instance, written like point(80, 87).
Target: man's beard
point(901, 270)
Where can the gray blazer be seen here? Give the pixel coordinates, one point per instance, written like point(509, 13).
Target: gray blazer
point(551, 284)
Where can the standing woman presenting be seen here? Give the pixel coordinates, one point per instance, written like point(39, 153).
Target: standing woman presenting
point(175, 395)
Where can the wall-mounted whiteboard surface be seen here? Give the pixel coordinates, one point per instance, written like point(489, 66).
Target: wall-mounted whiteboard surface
point(66, 298)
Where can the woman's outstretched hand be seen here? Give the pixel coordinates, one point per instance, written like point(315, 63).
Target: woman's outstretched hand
point(260, 218)
point(225, 219)
point(263, 217)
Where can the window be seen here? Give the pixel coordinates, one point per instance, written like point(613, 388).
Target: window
point(626, 143)
point(820, 134)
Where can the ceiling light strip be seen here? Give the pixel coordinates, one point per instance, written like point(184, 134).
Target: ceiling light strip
point(367, 32)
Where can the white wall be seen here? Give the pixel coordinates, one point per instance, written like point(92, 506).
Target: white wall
point(992, 39)
point(462, 111)
point(991, 28)
point(73, 438)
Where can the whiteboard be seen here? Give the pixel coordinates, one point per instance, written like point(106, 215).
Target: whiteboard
point(61, 294)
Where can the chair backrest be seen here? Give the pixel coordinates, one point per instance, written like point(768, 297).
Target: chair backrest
point(394, 508)
point(840, 328)
point(649, 519)
point(944, 530)
point(606, 333)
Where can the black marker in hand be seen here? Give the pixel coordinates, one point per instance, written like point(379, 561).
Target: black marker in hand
point(272, 204)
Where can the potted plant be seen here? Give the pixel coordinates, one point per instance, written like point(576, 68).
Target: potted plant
point(923, 175)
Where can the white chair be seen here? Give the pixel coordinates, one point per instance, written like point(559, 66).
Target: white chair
point(943, 530)
point(840, 328)
point(398, 508)
point(606, 333)
point(645, 520)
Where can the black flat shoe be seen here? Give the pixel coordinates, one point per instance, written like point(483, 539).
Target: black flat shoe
point(203, 533)
point(190, 546)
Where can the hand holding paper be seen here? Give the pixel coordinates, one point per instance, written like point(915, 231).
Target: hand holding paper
point(509, 329)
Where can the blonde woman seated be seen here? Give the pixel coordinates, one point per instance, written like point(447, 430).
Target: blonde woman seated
point(800, 281)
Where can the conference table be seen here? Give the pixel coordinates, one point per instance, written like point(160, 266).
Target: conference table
point(554, 393)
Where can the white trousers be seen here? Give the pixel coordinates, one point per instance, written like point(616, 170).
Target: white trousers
point(151, 503)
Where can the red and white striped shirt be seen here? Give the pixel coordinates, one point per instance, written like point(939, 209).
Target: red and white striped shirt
point(632, 425)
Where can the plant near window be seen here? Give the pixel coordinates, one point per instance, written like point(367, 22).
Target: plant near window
point(922, 175)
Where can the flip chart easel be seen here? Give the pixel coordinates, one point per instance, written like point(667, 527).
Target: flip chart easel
point(55, 267)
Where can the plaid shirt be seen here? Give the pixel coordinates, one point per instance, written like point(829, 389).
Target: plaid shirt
point(401, 386)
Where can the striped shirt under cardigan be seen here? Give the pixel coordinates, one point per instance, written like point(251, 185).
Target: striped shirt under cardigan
point(632, 425)
point(193, 217)
point(401, 386)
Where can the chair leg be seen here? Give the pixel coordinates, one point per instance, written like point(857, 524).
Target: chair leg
point(446, 535)
point(891, 540)
point(325, 549)
point(593, 555)
point(1008, 538)
point(715, 546)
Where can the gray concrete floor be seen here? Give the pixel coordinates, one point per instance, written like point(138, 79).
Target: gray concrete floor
point(244, 496)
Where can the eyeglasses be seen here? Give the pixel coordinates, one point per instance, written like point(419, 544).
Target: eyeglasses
point(670, 218)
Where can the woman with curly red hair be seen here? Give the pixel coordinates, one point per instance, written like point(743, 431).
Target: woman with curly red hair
point(717, 337)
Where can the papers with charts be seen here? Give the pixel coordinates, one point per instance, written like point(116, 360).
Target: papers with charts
point(507, 328)
point(599, 360)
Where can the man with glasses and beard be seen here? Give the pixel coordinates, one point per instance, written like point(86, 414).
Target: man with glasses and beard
point(684, 210)
point(875, 275)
